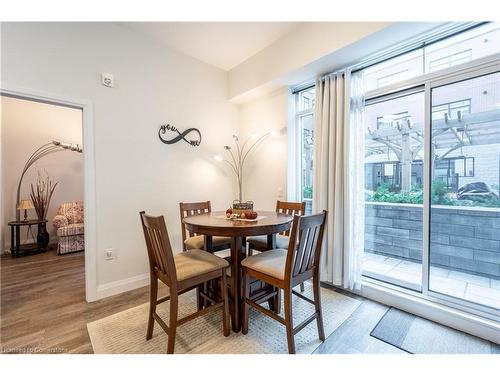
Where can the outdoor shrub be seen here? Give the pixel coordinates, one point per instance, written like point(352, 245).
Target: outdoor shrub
point(439, 195)
point(307, 192)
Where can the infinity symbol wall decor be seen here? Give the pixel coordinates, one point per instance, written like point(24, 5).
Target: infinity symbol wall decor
point(193, 142)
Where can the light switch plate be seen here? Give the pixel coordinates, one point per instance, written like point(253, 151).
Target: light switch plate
point(110, 254)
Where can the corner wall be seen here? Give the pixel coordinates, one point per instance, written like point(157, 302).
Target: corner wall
point(265, 178)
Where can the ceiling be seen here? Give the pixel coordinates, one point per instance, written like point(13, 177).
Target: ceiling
point(222, 44)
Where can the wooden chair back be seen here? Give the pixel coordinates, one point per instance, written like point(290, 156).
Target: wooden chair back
point(290, 208)
point(161, 259)
point(305, 244)
point(190, 209)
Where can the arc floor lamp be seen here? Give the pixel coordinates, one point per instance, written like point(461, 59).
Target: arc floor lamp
point(46, 149)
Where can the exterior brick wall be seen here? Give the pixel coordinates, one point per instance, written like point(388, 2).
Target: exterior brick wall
point(462, 238)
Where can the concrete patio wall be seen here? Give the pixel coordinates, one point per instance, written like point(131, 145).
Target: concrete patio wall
point(462, 238)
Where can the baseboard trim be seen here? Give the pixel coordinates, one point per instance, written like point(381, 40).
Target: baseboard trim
point(462, 321)
point(121, 286)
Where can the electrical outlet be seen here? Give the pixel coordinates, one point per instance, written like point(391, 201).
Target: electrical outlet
point(109, 254)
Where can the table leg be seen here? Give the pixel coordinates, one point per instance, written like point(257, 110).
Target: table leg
point(18, 240)
point(209, 244)
point(12, 252)
point(237, 254)
point(271, 241)
point(208, 286)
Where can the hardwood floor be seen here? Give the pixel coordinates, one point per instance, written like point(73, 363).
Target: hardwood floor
point(43, 307)
point(43, 310)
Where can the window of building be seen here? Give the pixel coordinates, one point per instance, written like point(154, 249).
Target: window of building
point(450, 60)
point(393, 77)
point(392, 121)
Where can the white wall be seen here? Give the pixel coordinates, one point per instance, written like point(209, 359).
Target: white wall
point(306, 43)
point(27, 125)
point(134, 170)
point(266, 171)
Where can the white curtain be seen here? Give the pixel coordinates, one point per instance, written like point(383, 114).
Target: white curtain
point(339, 175)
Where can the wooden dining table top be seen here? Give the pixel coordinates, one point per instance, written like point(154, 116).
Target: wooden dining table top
point(216, 224)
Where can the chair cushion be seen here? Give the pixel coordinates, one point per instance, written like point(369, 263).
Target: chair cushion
point(198, 242)
point(271, 263)
point(261, 241)
point(70, 230)
point(192, 263)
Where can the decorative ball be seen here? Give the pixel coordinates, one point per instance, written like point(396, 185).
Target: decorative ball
point(251, 215)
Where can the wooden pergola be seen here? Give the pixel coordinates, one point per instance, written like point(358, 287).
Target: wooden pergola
point(405, 138)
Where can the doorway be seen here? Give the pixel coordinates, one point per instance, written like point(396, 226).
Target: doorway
point(82, 110)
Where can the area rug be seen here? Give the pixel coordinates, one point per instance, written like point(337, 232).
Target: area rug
point(125, 332)
point(416, 335)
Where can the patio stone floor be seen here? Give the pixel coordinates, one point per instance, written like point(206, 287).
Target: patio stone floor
point(474, 288)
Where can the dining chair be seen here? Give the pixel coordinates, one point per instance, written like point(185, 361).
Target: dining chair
point(192, 240)
point(182, 272)
point(260, 243)
point(285, 269)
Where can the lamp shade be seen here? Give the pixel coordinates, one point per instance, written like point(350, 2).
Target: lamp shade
point(25, 204)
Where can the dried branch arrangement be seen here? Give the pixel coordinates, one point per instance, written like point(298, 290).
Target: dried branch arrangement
point(41, 194)
point(239, 156)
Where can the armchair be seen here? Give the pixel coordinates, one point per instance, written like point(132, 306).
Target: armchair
point(70, 228)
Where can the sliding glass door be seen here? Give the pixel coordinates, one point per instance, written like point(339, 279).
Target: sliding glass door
point(432, 183)
point(464, 246)
point(394, 140)
point(432, 172)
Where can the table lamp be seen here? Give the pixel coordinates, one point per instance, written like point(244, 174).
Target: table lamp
point(25, 204)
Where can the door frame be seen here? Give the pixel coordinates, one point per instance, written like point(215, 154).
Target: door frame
point(89, 199)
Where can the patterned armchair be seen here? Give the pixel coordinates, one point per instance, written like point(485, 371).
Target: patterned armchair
point(69, 224)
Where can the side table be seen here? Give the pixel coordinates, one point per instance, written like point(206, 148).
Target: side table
point(16, 248)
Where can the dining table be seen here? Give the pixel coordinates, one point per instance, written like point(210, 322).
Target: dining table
point(268, 223)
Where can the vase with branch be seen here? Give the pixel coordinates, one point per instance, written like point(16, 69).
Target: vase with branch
point(239, 155)
point(41, 195)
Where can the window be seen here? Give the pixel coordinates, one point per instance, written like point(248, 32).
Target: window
point(304, 122)
point(467, 46)
point(448, 171)
point(307, 99)
point(478, 42)
point(451, 109)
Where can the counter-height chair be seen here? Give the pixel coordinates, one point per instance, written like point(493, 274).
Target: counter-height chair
point(259, 243)
point(192, 240)
point(286, 268)
point(181, 273)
